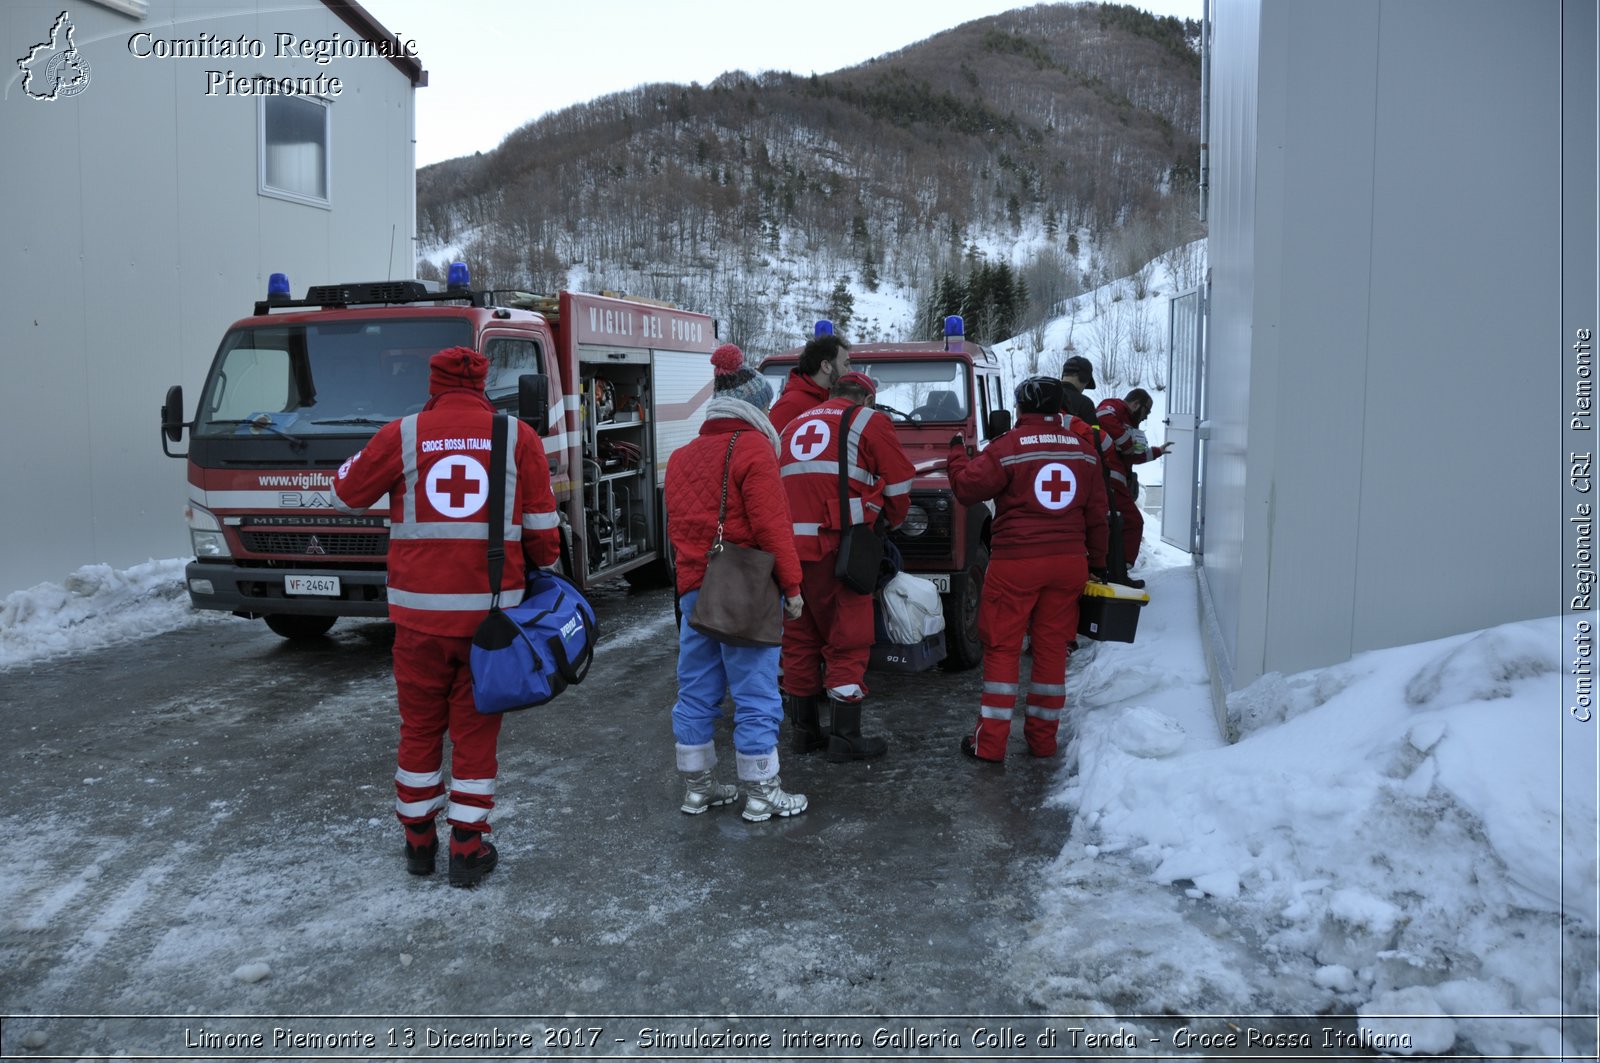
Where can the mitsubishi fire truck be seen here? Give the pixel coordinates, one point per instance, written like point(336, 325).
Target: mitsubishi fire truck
point(931, 391)
point(613, 385)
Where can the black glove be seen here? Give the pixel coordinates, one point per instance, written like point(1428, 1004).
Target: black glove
point(958, 440)
point(1103, 575)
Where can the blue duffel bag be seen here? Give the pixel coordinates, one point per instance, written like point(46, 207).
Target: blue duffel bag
point(526, 655)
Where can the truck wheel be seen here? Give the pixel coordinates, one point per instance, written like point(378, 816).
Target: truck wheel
point(294, 626)
point(962, 648)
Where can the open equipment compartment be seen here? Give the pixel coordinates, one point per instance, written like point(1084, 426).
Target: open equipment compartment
point(619, 458)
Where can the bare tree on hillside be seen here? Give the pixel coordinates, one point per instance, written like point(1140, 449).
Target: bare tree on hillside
point(1107, 336)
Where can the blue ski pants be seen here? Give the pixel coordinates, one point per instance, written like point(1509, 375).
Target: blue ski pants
point(708, 671)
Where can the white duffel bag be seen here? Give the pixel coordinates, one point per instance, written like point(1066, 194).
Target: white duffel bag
point(911, 609)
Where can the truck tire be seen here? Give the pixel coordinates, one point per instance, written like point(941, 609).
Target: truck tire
point(962, 647)
point(296, 626)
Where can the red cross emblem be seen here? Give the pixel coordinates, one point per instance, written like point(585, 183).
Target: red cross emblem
point(811, 440)
point(458, 486)
point(1055, 486)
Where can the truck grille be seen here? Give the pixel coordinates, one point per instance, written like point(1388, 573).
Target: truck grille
point(283, 542)
point(936, 543)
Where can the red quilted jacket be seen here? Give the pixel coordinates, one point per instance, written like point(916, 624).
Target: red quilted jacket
point(758, 509)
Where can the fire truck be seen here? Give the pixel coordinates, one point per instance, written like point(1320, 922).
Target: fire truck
point(613, 385)
point(931, 391)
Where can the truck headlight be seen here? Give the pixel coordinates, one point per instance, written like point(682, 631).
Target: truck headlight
point(916, 522)
point(205, 531)
point(209, 543)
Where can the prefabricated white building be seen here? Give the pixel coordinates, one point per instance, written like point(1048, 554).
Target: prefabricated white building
point(150, 190)
point(1386, 361)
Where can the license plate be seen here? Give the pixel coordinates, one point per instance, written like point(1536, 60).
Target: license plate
point(320, 586)
point(942, 583)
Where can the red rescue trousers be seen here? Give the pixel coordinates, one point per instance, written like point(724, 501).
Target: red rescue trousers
point(433, 681)
point(830, 644)
point(1035, 596)
point(1132, 521)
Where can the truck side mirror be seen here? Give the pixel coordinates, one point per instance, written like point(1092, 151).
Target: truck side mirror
point(533, 401)
point(999, 424)
point(172, 413)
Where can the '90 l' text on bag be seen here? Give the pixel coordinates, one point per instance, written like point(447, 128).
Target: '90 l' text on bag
point(526, 655)
point(860, 549)
point(738, 602)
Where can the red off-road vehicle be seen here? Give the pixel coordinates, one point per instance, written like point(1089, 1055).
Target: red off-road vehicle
point(932, 390)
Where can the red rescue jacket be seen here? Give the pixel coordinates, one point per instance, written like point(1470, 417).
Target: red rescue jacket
point(880, 474)
point(800, 393)
point(758, 510)
point(1116, 422)
point(434, 466)
point(1050, 496)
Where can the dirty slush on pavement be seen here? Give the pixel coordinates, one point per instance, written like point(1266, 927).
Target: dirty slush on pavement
point(208, 848)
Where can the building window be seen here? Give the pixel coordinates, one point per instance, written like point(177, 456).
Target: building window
point(294, 148)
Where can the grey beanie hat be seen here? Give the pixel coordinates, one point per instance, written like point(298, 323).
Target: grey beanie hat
point(734, 380)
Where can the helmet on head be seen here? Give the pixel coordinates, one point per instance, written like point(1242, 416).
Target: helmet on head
point(1040, 394)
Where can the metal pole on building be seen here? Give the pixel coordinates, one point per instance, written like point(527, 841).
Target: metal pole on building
point(1205, 106)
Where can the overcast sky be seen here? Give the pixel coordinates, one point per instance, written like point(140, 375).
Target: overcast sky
point(495, 65)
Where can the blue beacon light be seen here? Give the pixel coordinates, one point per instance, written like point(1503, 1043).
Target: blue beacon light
point(458, 276)
point(954, 326)
point(278, 286)
point(824, 328)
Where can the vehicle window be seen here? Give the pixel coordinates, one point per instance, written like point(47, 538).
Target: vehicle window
point(251, 380)
point(509, 359)
point(323, 378)
point(923, 390)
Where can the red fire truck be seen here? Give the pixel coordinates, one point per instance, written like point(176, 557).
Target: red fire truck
point(933, 390)
point(614, 385)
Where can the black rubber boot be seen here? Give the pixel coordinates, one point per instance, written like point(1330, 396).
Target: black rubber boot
point(806, 735)
point(845, 740)
point(422, 847)
point(471, 857)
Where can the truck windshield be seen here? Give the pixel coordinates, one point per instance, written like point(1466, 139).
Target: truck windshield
point(309, 379)
point(931, 390)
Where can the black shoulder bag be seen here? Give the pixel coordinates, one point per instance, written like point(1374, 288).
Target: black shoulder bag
point(860, 549)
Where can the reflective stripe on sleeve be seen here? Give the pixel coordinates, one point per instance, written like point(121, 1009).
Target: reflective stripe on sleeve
point(541, 521)
point(408, 467)
point(451, 603)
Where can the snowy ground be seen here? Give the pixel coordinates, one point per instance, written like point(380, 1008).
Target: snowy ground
point(1398, 834)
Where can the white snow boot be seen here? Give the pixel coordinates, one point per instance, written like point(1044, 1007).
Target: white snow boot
point(767, 798)
point(701, 792)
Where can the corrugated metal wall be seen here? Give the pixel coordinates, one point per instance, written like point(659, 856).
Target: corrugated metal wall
point(135, 236)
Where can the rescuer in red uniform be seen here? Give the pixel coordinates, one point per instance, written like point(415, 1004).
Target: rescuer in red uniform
point(1120, 420)
point(828, 646)
point(1049, 532)
point(824, 360)
point(434, 466)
